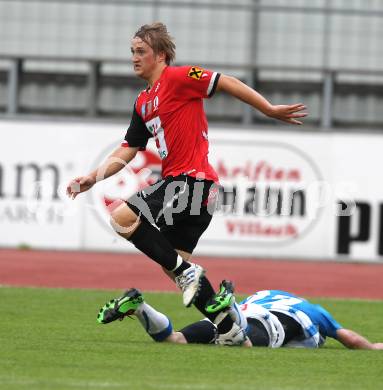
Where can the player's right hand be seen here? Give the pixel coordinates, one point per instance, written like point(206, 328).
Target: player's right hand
point(288, 113)
point(79, 184)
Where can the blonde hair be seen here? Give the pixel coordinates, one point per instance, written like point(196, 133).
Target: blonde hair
point(157, 37)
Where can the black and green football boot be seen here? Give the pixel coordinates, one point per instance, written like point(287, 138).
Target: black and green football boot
point(223, 299)
point(118, 308)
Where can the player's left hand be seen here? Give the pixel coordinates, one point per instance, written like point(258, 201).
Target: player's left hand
point(288, 113)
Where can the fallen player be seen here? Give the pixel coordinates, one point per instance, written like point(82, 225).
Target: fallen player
point(268, 318)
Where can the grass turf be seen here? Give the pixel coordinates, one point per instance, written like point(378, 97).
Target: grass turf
point(49, 339)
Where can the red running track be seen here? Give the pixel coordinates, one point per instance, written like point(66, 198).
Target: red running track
point(120, 271)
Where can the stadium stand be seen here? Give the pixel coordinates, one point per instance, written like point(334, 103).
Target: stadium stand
point(72, 57)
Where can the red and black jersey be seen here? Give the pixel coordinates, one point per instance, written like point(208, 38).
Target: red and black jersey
point(172, 112)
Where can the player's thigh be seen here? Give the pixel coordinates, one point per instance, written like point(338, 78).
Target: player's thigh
point(124, 220)
point(186, 198)
point(157, 203)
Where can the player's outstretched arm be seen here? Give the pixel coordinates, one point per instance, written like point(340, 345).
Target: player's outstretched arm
point(353, 340)
point(286, 113)
point(115, 162)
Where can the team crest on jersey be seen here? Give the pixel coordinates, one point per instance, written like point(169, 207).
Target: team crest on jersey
point(149, 107)
point(195, 72)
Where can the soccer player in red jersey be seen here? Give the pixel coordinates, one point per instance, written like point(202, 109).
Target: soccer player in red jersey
point(170, 110)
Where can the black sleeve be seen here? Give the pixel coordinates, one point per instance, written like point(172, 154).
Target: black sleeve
point(257, 333)
point(214, 87)
point(137, 134)
point(291, 327)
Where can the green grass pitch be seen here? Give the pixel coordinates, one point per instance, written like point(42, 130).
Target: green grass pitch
point(49, 339)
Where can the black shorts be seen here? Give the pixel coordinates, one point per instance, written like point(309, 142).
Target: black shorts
point(181, 207)
point(200, 332)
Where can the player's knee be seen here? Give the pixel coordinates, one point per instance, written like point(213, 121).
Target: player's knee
point(176, 338)
point(124, 221)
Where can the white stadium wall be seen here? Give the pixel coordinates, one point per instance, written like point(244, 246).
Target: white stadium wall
point(282, 197)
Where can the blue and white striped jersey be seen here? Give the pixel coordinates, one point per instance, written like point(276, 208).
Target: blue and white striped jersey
point(316, 322)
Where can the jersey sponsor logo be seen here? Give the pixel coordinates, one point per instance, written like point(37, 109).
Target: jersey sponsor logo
point(155, 127)
point(195, 72)
point(149, 106)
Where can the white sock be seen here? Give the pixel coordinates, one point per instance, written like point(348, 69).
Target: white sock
point(179, 262)
point(237, 316)
point(156, 324)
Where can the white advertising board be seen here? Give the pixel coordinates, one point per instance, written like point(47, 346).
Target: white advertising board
point(280, 197)
point(358, 162)
point(277, 209)
point(36, 160)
